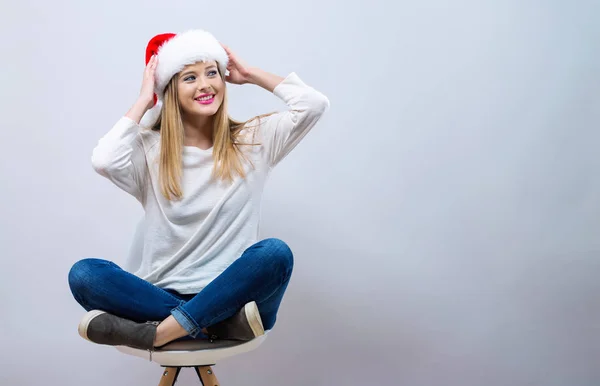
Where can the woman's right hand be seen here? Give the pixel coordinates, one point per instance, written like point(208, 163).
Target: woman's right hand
point(147, 91)
point(146, 99)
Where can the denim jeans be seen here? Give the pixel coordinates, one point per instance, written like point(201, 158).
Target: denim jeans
point(261, 274)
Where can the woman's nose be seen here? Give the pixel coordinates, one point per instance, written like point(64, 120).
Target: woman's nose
point(203, 84)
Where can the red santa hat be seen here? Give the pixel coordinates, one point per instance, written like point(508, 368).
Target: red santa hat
point(174, 52)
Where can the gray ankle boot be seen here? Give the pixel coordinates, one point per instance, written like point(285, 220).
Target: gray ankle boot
point(103, 328)
point(245, 325)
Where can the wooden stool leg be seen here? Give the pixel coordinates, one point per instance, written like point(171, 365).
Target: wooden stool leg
point(169, 376)
point(207, 376)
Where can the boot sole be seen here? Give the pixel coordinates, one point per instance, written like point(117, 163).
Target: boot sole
point(85, 322)
point(253, 317)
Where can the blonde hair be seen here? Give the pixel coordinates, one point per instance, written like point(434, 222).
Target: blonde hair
point(226, 145)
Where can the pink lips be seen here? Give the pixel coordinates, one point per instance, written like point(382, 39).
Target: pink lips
point(206, 101)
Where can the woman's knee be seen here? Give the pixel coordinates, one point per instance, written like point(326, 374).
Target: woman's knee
point(280, 254)
point(83, 272)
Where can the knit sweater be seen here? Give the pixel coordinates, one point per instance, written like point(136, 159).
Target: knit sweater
point(186, 243)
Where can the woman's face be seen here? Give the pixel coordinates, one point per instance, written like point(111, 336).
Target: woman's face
point(200, 89)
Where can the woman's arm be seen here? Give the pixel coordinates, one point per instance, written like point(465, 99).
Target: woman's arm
point(119, 155)
point(280, 133)
point(264, 79)
point(139, 108)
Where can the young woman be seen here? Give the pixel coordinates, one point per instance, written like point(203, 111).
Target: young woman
point(199, 176)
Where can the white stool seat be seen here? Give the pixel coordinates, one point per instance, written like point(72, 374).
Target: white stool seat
point(194, 353)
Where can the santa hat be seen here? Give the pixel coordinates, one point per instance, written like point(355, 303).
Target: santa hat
point(174, 52)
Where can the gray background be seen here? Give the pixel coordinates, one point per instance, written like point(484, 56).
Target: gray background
point(444, 214)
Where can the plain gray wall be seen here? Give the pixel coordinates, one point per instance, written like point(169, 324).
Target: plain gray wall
point(444, 214)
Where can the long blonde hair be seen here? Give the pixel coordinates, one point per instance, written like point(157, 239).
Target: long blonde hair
point(226, 151)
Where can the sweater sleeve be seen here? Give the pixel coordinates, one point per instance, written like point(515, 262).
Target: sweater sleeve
point(120, 157)
point(281, 132)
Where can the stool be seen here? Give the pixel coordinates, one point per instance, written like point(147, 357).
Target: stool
point(199, 354)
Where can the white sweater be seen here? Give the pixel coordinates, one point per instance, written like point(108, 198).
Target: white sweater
point(184, 244)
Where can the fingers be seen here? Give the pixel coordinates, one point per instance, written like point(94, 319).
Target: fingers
point(234, 61)
point(152, 62)
point(230, 54)
point(151, 66)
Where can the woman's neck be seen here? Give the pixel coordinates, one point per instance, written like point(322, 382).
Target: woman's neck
point(198, 132)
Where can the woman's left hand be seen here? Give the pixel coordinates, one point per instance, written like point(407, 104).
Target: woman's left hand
point(239, 72)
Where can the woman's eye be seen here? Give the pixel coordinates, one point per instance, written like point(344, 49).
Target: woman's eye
point(188, 78)
point(212, 73)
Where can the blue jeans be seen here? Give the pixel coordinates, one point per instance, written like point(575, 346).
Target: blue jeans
point(261, 274)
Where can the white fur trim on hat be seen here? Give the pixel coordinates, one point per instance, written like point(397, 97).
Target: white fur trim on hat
point(183, 49)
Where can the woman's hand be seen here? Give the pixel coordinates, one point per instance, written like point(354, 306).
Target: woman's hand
point(146, 99)
point(239, 72)
point(147, 91)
